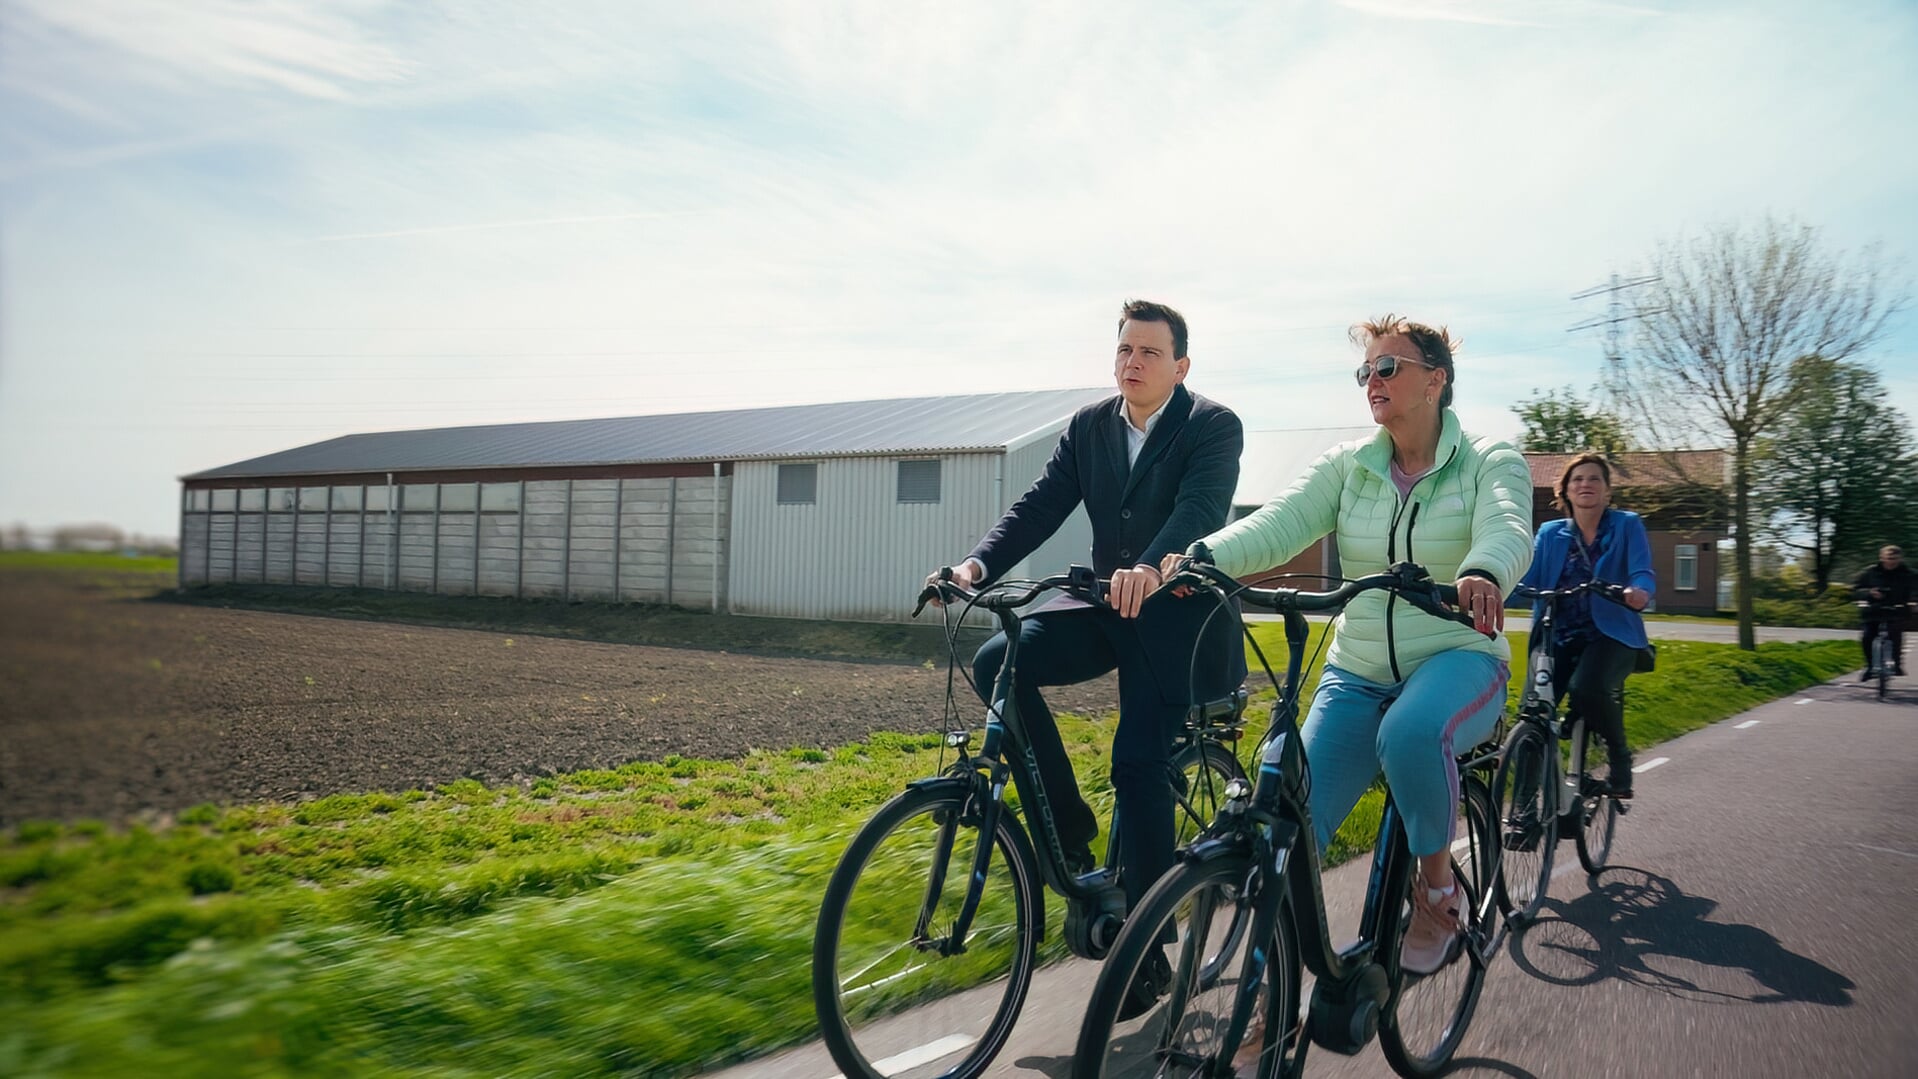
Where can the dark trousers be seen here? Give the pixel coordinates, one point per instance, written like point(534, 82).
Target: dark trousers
point(1592, 673)
point(1063, 647)
point(1896, 627)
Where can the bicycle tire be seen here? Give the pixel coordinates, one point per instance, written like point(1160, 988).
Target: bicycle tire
point(1527, 816)
point(1881, 652)
point(1200, 904)
point(1204, 769)
point(1597, 809)
point(1427, 1016)
point(869, 970)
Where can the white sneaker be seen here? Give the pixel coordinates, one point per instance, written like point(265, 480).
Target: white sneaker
point(1433, 938)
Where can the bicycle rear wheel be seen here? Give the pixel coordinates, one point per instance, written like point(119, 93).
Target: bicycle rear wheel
point(890, 986)
point(1186, 936)
point(1428, 1015)
point(1525, 789)
point(1597, 810)
point(1203, 770)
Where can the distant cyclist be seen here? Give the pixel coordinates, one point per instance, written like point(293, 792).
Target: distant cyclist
point(1598, 642)
point(1886, 587)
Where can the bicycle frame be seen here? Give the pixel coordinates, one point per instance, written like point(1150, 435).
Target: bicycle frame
point(1537, 705)
point(1352, 987)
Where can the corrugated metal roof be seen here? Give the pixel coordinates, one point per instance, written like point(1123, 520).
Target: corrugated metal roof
point(1273, 459)
point(974, 422)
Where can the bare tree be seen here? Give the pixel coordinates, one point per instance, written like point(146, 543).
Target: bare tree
point(1714, 337)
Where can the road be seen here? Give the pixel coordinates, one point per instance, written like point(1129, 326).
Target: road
point(1761, 920)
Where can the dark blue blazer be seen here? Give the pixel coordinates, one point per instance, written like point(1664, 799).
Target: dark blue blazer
point(1627, 560)
point(1179, 490)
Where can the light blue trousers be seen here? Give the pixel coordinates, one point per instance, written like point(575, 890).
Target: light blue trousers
point(1452, 702)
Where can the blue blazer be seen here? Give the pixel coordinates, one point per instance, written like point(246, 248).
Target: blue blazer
point(1627, 560)
point(1179, 490)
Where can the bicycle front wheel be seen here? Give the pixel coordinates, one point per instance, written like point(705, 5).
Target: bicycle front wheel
point(1525, 787)
point(1188, 939)
point(1428, 1014)
point(1597, 809)
point(1202, 772)
point(898, 995)
point(1881, 651)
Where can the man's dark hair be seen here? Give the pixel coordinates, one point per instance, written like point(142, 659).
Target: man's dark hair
point(1147, 311)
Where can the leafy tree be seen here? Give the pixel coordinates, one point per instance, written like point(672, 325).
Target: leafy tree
point(1714, 336)
point(1565, 424)
point(1829, 477)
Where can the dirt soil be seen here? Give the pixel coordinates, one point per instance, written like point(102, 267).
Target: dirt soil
point(113, 706)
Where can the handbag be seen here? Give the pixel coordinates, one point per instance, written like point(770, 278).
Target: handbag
point(1647, 659)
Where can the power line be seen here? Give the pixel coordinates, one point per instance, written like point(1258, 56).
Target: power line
point(1614, 311)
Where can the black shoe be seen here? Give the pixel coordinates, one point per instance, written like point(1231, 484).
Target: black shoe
point(1151, 983)
point(1620, 791)
point(1867, 675)
point(1899, 671)
point(1079, 859)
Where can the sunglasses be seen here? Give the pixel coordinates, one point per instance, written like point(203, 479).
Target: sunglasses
point(1386, 366)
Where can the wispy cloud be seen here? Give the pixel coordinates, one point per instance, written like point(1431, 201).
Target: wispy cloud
point(489, 226)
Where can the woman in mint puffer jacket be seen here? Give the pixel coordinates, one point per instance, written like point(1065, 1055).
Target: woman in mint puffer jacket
point(1423, 491)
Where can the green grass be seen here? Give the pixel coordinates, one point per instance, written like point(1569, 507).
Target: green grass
point(647, 920)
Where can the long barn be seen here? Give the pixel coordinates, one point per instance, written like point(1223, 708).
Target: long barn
point(807, 511)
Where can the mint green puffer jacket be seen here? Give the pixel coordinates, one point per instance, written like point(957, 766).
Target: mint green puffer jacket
point(1472, 511)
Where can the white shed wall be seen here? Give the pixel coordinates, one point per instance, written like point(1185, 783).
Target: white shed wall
point(856, 552)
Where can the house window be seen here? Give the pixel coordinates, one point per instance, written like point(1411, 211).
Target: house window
point(1685, 567)
point(919, 481)
point(798, 484)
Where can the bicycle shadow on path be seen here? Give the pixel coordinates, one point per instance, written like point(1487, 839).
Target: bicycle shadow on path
point(1637, 927)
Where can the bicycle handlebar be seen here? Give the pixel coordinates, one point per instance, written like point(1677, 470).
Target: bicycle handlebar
point(1613, 592)
point(1407, 579)
point(1079, 582)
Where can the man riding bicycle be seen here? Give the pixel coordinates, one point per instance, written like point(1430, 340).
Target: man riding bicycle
point(1886, 589)
point(1155, 467)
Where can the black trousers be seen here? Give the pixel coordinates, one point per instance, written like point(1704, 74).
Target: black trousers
point(1067, 646)
point(1592, 673)
point(1896, 627)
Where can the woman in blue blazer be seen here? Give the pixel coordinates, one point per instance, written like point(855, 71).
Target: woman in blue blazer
point(1597, 641)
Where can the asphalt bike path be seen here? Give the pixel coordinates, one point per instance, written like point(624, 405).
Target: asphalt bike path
point(1760, 919)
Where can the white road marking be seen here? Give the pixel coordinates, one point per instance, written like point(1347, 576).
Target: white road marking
point(1747, 723)
point(1886, 850)
point(1802, 700)
point(925, 1054)
point(1651, 764)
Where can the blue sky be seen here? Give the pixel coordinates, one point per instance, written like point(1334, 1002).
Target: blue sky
point(229, 227)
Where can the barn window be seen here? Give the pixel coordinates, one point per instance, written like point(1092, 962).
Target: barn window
point(798, 484)
point(252, 499)
point(376, 498)
point(198, 500)
point(419, 497)
point(459, 497)
point(313, 500)
point(279, 500)
point(347, 498)
point(224, 500)
point(919, 481)
point(499, 497)
point(1685, 567)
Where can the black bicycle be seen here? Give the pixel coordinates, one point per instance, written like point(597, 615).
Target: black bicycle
point(928, 936)
point(1545, 789)
point(1884, 661)
point(1227, 931)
